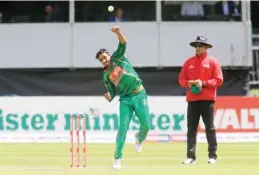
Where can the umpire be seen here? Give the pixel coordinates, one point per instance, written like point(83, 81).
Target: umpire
point(201, 75)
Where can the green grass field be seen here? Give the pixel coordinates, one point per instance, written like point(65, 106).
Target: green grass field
point(156, 158)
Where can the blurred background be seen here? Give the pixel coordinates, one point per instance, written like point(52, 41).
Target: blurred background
point(48, 47)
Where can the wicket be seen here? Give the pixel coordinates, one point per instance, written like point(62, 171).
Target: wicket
point(76, 125)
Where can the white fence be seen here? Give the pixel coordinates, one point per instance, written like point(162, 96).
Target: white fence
point(150, 44)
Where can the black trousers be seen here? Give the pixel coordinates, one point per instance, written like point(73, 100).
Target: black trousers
point(205, 109)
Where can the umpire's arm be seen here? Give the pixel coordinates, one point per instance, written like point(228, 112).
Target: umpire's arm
point(217, 79)
point(183, 79)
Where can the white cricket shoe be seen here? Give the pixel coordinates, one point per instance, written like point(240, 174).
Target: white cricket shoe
point(212, 161)
point(117, 164)
point(138, 147)
point(189, 161)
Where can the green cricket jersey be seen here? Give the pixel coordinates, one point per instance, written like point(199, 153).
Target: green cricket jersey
point(120, 75)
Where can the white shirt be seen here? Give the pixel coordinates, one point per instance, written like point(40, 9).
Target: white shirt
point(118, 19)
point(192, 9)
point(226, 9)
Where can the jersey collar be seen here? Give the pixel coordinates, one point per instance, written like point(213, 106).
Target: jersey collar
point(204, 55)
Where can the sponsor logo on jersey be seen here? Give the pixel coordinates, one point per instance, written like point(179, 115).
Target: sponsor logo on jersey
point(116, 74)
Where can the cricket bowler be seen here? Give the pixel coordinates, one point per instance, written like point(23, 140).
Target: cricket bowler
point(120, 78)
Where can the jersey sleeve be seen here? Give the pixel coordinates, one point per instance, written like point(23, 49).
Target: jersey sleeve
point(109, 86)
point(120, 52)
point(217, 79)
point(182, 79)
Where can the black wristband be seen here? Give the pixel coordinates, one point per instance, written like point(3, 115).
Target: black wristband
point(203, 84)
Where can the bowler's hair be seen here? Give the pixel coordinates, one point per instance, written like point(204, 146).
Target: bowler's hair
point(102, 50)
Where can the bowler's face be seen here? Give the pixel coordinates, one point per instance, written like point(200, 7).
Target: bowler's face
point(104, 59)
point(200, 49)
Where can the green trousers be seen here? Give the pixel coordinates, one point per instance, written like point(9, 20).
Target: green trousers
point(128, 104)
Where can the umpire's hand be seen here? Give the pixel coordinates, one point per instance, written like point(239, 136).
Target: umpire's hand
point(190, 83)
point(198, 83)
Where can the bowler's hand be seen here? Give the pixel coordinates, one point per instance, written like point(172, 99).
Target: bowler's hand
point(115, 29)
point(198, 83)
point(190, 83)
point(107, 96)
